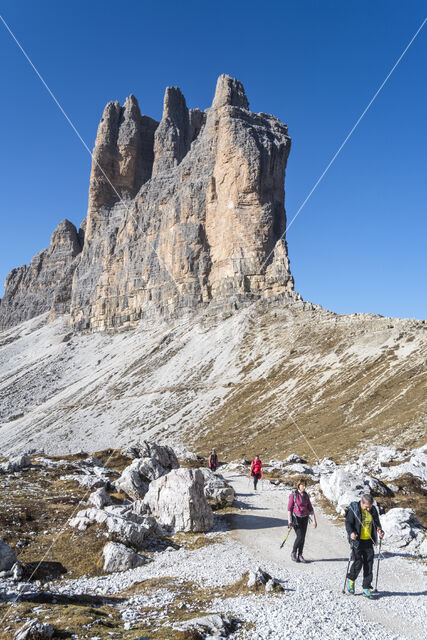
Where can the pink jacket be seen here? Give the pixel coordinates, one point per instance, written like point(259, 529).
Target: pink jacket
point(301, 506)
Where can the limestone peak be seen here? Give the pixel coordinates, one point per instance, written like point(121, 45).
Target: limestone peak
point(229, 91)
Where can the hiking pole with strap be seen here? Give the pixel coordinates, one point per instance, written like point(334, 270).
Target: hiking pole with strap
point(378, 568)
point(286, 537)
point(348, 567)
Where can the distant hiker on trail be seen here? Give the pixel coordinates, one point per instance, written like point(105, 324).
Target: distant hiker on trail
point(299, 510)
point(256, 470)
point(213, 460)
point(363, 527)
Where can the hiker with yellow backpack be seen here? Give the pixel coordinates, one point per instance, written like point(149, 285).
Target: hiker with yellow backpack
point(363, 528)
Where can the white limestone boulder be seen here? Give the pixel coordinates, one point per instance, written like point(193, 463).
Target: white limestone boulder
point(125, 524)
point(217, 491)
point(177, 500)
point(401, 529)
point(118, 557)
point(341, 487)
point(151, 461)
point(100, 498)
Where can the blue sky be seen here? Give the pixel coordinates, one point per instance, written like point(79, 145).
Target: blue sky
point(359, 245)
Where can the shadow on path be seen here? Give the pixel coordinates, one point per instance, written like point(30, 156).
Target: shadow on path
point(390, 594)
point(243, 521)
point(329, 560)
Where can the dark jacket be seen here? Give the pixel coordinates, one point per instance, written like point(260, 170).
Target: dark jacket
point(353, 521)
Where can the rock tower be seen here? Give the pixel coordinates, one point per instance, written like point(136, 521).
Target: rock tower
point(183, 213)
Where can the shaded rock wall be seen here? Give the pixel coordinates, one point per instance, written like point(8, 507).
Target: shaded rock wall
point(45, 285)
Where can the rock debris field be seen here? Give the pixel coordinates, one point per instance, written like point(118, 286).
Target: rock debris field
point(117, 554)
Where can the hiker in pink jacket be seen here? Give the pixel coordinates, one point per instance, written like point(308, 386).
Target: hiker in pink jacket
point(299, 510)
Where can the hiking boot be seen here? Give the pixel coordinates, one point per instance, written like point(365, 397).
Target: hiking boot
point(302, 559)
point(294, 556)
point(367, 593)
point(350, 586)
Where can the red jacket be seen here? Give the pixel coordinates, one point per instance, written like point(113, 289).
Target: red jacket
point(256, 467)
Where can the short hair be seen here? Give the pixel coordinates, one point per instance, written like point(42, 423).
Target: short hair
point(301, 481)
point(367, 498)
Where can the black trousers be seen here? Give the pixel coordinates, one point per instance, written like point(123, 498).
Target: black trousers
point(256, 477)
point(363, 555)
point(300, 525)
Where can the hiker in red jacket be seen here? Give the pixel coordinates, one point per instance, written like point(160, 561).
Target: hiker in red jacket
point(256, 470)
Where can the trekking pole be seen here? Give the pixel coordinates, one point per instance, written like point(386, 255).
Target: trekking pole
point(378, 567)
point(286, 537)
point(348, 567)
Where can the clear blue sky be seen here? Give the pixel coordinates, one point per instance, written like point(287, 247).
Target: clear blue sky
point(360, 242)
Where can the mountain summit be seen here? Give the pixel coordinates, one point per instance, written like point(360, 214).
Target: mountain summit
point(183, 213)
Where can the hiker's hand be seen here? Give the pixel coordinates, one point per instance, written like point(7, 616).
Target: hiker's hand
point(381, 534)
point(353, 536)
point(315, 524)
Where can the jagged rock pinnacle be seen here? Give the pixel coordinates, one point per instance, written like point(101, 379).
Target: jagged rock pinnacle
point(229, 91)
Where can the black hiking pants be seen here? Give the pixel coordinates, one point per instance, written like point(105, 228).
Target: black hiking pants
point(256, 477)
point(300, 525)
point(363, 555)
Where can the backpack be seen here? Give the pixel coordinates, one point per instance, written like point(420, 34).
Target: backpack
point(294, 515)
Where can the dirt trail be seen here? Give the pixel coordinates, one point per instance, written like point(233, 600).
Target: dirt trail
point(400, 606)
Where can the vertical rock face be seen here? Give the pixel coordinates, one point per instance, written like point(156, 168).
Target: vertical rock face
point(184, 213)
point(173, 136)
point(44, 285)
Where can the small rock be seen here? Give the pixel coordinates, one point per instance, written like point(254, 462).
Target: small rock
point(117, 557)
point(212, 626)
point(7, 557)
point(100, 498)
point(34, 630)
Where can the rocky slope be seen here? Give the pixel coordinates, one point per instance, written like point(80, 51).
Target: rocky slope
point(264, 379)
point(182, 214)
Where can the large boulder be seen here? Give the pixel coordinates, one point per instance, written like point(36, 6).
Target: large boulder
point(17, 463)
point(123, 522)
point(178, 501)
point(7, 557)
point(217, 491)
point(401, 528)
point(151, 461)
point(341, 487)
point(117, 557)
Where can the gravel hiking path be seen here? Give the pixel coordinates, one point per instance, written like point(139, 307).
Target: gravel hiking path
point(260, 525)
